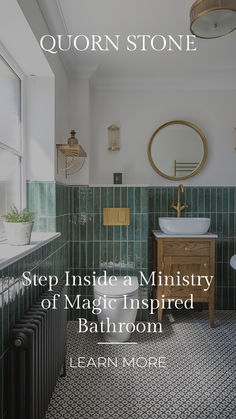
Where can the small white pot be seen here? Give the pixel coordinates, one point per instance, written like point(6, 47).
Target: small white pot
point(18, 234)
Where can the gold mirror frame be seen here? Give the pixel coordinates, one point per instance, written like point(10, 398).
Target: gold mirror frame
point(204, 141)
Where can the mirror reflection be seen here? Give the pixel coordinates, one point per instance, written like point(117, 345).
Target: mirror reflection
point(177, 150)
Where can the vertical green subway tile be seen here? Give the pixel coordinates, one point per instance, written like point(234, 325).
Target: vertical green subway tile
point(225, 256)
point(137, 199)
point(170, 197)
point(124, 233)
point(51, 199)
point(144, 226)
point(151, 223)
point(231, 200)
point(33, 197)
point(103, 231)
point(144, 200)
point(201, 201)
point(90, 227)
point(231, 225)
point(103, 198)
point(96, 252)
point(83, 199)
point(124, 253)
point(195, 200)
point(137, 256)
point(117, 196)
point(75, 231)
point(76, 255)
point(137, 227)
point(97, 224)
point(213, 226)
point(207, 199)
point(157, 199)
point(110, 233)
point(83, 258)
point(76, 200)
point(89, 251)
point(96, 199)
point(225, 200)
point(143, 255)
point(42, 199)
point(110, 197)
point(82, 226)
point(131, 199)
point(90, 200)
point(164, 206)
point(188, 199)
point(110, 252)
point(225, 224)
point(124, 197)
point(219, 199)
point(219, 223)
point(131, 227)
point(130, 260)
point(213, 200)
point(103, 258)
point(117, 256)
point(151, 200)
point(231, 247)
point(116, 232)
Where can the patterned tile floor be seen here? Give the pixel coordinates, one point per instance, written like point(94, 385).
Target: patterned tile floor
point(198, 381)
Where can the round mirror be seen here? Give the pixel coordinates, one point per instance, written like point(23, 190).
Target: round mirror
point(177, 150)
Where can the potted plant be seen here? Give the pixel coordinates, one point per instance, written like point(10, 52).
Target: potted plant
point(18, 226)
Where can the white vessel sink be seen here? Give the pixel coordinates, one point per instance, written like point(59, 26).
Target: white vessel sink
point(171, 225)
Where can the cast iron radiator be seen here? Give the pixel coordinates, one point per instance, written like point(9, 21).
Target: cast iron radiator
point(37, 357)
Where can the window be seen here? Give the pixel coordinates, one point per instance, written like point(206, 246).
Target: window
point(10, 139)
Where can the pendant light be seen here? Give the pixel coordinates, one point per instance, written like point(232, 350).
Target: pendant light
point(213, 18)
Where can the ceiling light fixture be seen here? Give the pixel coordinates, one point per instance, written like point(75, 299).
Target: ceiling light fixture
point(212, 18)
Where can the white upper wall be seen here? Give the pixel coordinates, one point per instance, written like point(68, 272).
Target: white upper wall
point(140, 112)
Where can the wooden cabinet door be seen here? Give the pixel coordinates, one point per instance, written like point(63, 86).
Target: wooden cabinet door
point(186, 267)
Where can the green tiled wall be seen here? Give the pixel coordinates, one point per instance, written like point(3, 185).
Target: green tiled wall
point(219, 204)
point(77, 211)
point(15, 299)
point(120, 250)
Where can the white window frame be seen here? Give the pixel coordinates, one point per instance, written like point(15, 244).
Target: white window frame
point(22, 148)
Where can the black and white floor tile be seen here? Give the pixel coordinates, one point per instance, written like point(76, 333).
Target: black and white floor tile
point(198, 381)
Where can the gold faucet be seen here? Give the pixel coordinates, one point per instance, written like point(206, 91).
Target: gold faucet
point(178, 207)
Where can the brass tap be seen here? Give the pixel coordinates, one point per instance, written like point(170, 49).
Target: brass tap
point(178, 207)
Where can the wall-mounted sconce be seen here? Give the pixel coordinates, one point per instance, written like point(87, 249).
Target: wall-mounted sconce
point(113, 138)
point(73, 156)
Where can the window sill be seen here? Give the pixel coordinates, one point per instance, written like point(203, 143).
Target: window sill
point(11, 254)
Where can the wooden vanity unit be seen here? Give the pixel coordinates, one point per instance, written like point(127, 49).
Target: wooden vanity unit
point(187, 255)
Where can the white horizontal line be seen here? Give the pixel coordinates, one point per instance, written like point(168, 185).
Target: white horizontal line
point(117, 343)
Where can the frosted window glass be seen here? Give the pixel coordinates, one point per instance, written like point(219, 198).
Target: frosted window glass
point(9, 106)
point(9, 182)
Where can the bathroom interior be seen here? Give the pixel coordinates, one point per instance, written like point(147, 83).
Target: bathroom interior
point(127, 161)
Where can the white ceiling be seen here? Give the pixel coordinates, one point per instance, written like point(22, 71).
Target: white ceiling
point(213, 59)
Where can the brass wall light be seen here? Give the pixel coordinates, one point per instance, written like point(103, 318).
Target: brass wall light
point(213, 18)
point(73, 156)
point(113, 138)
